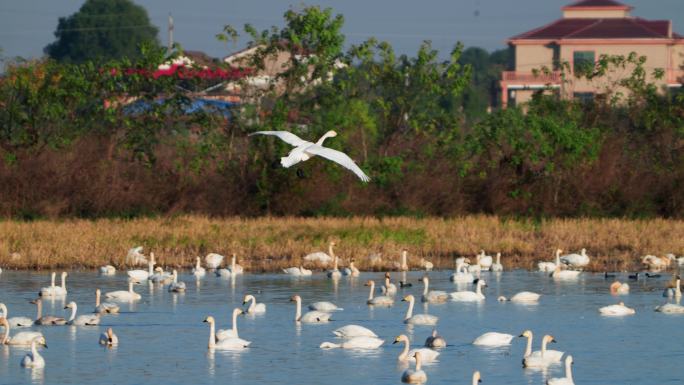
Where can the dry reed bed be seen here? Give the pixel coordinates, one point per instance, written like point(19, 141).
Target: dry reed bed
point(268, 244)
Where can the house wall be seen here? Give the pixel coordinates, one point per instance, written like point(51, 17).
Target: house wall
point(530, 57)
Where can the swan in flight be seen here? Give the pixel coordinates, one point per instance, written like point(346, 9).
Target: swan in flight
point(141, 275)
point(104, 307)
point(540, 358)
point(313, 316)
point(297, 271)
point(305, 150)
point(198, 271)
point(416, 376)
point(123, 295)
point(213, 260)
point(550, 266)
point(470, 296)
point(21, 338)
point(381, 300)
point(435, 340)
point(82, 320)
point(20, 322)
point(48, 319)
point(108, 338)
point(136, 257)
point(223, 334)
point(254, 307)
point(230, 343)
point(428, 355)
point(33, 359)
point(493, 339)
point(434, 296)
point(349, 331)
point(418, 319)
point(617, 310)
point(567, 380)
point(361, 342)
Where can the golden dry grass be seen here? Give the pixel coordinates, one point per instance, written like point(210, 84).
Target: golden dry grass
point(268, 244)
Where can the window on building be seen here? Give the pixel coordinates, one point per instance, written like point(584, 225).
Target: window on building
point(584, 97)
point(583, 61)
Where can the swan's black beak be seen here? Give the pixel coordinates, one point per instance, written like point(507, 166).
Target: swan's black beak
point(66, 307)
point(395, 341)
point(521, 335)
point(554, 341)
point(243, 302)
point(45, 346)
point(205, 321)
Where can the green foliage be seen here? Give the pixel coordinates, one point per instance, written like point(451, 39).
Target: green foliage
point(102, 30)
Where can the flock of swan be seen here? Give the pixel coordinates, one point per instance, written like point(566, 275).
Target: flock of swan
point(349, 336)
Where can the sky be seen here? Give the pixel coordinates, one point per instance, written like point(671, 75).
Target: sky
point(27, 26)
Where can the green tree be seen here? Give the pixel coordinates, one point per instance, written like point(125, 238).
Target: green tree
point(102, 30)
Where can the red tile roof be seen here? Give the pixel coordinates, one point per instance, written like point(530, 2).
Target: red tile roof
point(622, 28)
point(597, 3)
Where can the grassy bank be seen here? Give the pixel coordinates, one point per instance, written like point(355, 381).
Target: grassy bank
point(268, 244)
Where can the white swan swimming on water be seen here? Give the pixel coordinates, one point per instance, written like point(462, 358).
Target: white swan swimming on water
point(297, 271)
point(469, 296)
point(427, 354)
point(335, 272)
point(493, 339)
point(21, 338)
point(176, 286)
point(230, 343)
point(107, 270)
point(433, 296)
point(560, 273)
point(123, 295)
point(82, 320)
point(381, 300)
point(47, 320)
point(198, 271)
point(104, 307)
point(485, 261)
point(567, 380)
point(313, 316)
point(349, 331)
point(17, 322)
point(324, 306)
point(525, 297)
point(418, 319)
point(435, 340)
point(142, 275)
point(361, 342)
point(109, 339)
point(234, 268)
point(540, 358)
point(576, 260)
point(213, 260)
point(461, 274)
point(33, 359)
point(254, 307)
point(222, 334)
point(417, 376)
point(321, 257)
point(305, 150)
point(550, 266)
point(497, 266)
point(617, 310)
point(388, 288)
point(351, 271)
point(53, 290)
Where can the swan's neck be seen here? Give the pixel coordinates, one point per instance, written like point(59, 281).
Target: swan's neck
point(425, 288)
point(330, 251)
point(235, 330)
point(252, 303)
point(543, 347)
point(404, 353)
point(6, 337)
point(678, 289)
point(418, 362)
point(52, 280)
point(64, 282)
point(97, 299)
point(323, 138)
point(298, 313)
point(478, 288)
point(335, 264)
point(73, 313)
point(409, 312)
point(150, 270)
point(34, 351)
point(403, 260)
point(568, 370)
point(558, 258)
point(212, 335)
point(197, 265)
point(528, 348)
point(175, 277)
point(232, 262)
point(39, 309)
point(372, 288)
point(130, 287)
point(498, 258)
point(3, 308)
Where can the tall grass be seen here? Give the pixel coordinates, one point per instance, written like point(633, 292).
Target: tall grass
point(268, 244)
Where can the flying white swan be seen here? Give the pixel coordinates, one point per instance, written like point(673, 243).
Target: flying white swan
point(432, 296)
point(213, 260)
point(435, 340)
point(48, 319)
point(19, 322)
point(21, 338)
point(198, 271)
point(176, 286)
point(141, 275)
point(136, 257)
point(108, 338)
point(567, 380)
point(493, 339)
point(525, 297)
point(388, 288)
point(33, 359)
point(229, 343)
point(550, 266)
point(104, 307)
point(540, 358)
point(427, 354)
point(305, 150)
point(107, 270)
point(297, 271)
point(349, 331)
point(469, 296)
point(361, 342)
point(617, 310)
point(416, 376)
point(313, 316)
point(254, 307)
point(320, 256)
point(576, 260)
point(497, 266)
point(124, 295)
point(418, 319)
point(82, 320)
point(223, 334)
point(381, 300)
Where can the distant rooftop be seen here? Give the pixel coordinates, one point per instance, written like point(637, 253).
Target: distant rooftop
point(597, 4)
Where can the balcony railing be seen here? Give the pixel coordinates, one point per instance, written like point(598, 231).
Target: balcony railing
point(528, 77)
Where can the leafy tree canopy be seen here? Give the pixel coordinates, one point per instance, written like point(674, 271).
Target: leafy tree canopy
point(102, 30)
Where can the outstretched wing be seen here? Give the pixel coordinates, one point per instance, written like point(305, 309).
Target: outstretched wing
point(339, 158)
point(285, 136)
